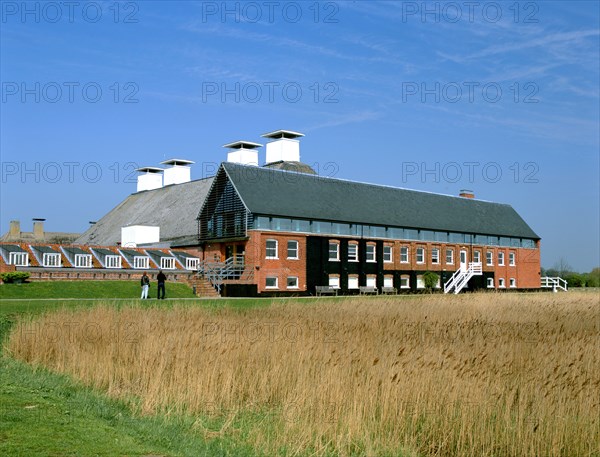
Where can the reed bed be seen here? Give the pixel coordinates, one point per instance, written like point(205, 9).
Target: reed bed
point(474, 374)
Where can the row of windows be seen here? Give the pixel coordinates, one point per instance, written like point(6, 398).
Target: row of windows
point(501, 283)
point(388, 257)
point(388, 281)
point(272, 251)
point(397, 233)
point(272, 282)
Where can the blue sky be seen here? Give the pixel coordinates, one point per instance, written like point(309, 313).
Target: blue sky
point(500, 98)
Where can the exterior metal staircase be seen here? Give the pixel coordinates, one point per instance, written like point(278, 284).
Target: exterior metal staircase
point(554, 282)
point(461, 277)
point(234, 269)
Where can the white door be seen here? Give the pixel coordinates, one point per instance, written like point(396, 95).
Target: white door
point(463, 260)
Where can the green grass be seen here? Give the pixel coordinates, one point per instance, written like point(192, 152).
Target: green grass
point(88, 289)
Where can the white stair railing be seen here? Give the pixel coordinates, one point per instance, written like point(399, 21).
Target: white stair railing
point(462, 276)
point(554, 283)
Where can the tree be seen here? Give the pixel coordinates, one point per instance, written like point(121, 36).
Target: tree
point(430, 279)
point(562, 267)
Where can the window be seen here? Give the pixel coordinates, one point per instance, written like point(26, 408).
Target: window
point(51, 260)
point(334, 282)
point(511, 259)
point(435, 255)
point(292, 249)
point(490, 283)
point(420, 282)
point(20, 259)
point(489, 257)
point(387, 254)
point(370, 253)
point(420, 255)
point(292, 282)
point(191, 263)
point(334, 251)
point(112, 261)
point(167, 263)
point(352, 282)
point(404, 282)
point(512, 282)
point(404, 254)
point(271, 249)
point(271, 282)
point(352, 252)
point(371, 281)
point(83, 261)
point(140, 262)
point(449, 256)
point(500, 258)
point(477, 256)
point(388, 281)
point(501, 282)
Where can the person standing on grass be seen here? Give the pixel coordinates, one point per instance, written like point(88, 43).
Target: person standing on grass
point(161, 279)
point(145, 281)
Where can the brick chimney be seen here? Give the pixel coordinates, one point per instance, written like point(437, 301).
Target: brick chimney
point(15, 230)
point(38, 228)
point(466, 193)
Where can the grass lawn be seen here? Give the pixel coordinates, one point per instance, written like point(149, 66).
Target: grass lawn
point(88, 289)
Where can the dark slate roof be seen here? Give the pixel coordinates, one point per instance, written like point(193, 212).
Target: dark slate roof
point(12, 248)
point(159, 254)
point(297, 167)
point(72, 251)
point(45, 249)
point(173, 208)
point(296, 195)
point(104, 252)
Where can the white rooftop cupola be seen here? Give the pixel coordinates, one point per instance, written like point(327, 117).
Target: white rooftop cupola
point(284, 146)
point(243, 152)
point(179, 172)
point(150, 178)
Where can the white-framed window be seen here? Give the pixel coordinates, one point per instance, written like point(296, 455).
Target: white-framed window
point(512, 282)
point(370, 253)
point(388, 281)
point(371, 281)
point(404, 254)
point(501, 282)
point(167, 263)
point(20, 259)
point(112, 261)
point(511, 259)
point(352, 282)
point(449, 256)
point(388, 256)
point(271, 282)
point(51, 259)
point(352, 252)
point(420, 282)
point(271, 249)
point(292, 249)
point(83, 261)
point(334, 281)
point(477, 256)
point(334, 251)
point(435, 255)
point(292, 282)
point(500, 258)
point(489, 258)
point(404, 282)
point(191, 263)
point(141, 262)
point(420, 255)
point(490, 283)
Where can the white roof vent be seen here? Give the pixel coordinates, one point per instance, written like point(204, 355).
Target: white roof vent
point(179, 172)
point(151, 178)
point(243, 152)
point(284, 147)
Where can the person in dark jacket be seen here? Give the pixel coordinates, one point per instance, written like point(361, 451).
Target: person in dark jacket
point(145, 282)
point(161, 279)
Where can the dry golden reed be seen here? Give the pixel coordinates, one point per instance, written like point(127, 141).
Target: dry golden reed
point(472, 375)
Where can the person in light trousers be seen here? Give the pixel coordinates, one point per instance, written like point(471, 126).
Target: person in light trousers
point(145, 282)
